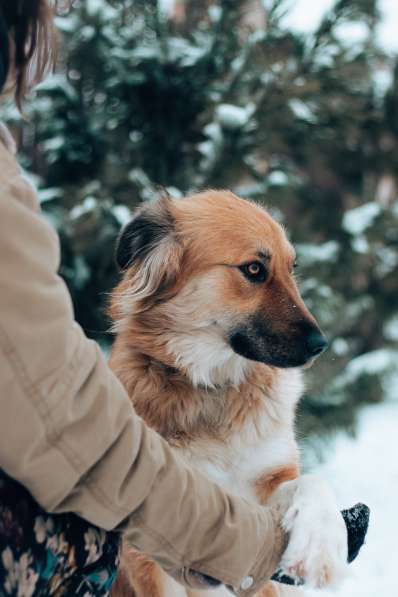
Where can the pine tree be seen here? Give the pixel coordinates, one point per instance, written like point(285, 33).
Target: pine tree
point(205, 98)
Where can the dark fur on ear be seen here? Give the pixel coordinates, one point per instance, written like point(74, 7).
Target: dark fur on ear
point(148, 252)
point(151, 224)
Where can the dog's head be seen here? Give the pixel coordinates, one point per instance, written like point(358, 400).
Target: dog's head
point(216, 275)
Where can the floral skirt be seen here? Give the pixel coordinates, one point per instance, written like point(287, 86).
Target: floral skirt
point(51, 554)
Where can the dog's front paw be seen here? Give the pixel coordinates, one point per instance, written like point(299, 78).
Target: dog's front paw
point(317, 548)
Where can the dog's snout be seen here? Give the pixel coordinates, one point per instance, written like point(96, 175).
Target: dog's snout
point(316, 343)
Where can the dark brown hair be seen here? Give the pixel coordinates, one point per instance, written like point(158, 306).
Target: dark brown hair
point(32, 42)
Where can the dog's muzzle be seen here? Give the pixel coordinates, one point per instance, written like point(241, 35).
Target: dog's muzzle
point(295, 345)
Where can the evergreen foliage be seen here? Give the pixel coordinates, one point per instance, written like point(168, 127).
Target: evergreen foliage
point(308, 125)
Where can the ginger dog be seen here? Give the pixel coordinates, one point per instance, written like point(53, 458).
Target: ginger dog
point(211, 334)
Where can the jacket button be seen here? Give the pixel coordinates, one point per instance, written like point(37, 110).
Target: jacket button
point(246, 583)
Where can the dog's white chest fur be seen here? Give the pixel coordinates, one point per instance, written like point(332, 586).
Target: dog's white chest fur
point(237, 464)
point(257, 449)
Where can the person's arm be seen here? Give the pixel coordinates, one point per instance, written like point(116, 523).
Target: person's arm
point(69, 434)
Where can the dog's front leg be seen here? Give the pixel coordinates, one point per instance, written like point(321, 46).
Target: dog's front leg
point(317, 547)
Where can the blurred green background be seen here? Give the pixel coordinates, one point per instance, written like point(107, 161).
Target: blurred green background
point(192, 94)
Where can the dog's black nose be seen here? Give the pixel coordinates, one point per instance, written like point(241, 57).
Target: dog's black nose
point(316, 343)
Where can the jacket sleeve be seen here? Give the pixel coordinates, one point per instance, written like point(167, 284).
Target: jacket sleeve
point(69, 434)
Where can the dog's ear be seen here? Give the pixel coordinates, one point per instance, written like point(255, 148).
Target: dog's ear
point(150, 226)
point(148, 246)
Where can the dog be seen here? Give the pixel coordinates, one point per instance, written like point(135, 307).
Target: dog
point(211, 336)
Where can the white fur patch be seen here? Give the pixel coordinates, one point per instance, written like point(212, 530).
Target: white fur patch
point(262, 446)
point(208, 360)
point(317, 548)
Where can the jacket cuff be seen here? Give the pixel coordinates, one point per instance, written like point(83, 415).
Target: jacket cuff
point(265, 565)
point(267, 562)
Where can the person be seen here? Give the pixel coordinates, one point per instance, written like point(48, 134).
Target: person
point(77, 466)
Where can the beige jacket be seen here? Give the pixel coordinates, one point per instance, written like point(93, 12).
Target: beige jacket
point(69, 434)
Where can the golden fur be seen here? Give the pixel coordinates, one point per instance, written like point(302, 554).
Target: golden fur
point(182, 295)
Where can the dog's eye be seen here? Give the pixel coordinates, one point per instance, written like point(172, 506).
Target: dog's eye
point(254, 271)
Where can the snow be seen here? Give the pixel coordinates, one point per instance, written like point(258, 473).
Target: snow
point(81, 272)
point(57, 82)
point(360, 245)
point(364, 469)
point(352, 33)
point(357, 220)
point(387, 260)
point(340, 346)
point(100, 7)
point(380, 363)
point(305, 16)
point(49, 194)
point(87, 33)
point(210, 148)
point(166, 6)
point(309, 253)
point(302, 110)
point(278, 178)
point(387, 30)
point(233, 117)
point(184, 53)
point(122, 213)
point(375, 362)
point(54, 144)
point(83, 208)
point(391, 328)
